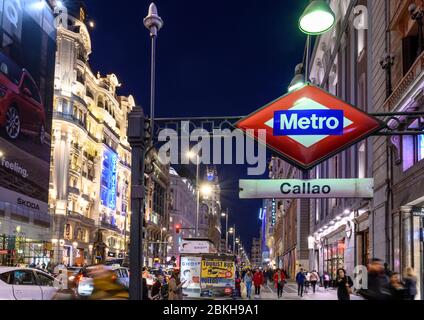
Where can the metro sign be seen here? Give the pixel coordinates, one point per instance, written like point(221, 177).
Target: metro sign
point(308, 126)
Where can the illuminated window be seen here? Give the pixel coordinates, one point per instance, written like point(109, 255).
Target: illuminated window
point(420, 146)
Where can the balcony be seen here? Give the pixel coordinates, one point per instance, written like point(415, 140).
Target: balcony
point(69, 118)
point(80, 217)
point(402, 88)
point(109, 226)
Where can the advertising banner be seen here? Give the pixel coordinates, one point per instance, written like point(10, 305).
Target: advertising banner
point(195, 246)
point(308, 189)
point(217, 276)
point(27, 64)
point(190, 276)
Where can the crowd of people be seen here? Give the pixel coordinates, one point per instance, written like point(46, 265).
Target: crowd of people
point(381, 283)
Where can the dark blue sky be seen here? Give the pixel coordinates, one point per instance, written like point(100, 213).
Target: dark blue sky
point(214, 58)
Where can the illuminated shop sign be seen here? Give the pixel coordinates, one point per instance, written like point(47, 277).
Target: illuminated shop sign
point(273, 212)
point(109, 179)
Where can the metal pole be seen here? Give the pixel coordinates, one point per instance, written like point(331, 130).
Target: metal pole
point(308, 46)
point(234, 240)
point(226, 231)
point(198, 194)
point(136, 135)
point(152, 87)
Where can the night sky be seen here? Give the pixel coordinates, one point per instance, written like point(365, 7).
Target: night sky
point(214, 58)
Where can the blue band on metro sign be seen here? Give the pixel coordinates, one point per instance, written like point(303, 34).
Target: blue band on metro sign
point(308, 122)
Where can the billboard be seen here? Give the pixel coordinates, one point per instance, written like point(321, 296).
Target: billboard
point(27, 64)
point(109, 179)
point(190, 276)
point(217, 276)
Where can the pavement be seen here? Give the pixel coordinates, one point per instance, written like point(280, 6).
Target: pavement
point(269, 292)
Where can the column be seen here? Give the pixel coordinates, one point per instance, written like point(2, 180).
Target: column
point(406, 243)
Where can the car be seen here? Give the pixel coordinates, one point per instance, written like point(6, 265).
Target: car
point(21, 106)
point(85, 283)
point(26, 284)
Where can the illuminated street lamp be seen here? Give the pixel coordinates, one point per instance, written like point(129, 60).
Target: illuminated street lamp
point(1, 154)
point(192, 155)
point(206, 190)
point(317, 18)
point(225, 215)
point(298, 80)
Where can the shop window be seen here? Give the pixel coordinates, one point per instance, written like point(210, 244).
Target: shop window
point(420, 147)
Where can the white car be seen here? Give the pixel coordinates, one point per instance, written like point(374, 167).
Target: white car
point(86, 285)
point(26, 284)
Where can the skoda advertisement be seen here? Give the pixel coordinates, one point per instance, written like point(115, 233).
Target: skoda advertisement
point(27, 62)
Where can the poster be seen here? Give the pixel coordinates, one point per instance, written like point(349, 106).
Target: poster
point(217, 277)
point(190, 276)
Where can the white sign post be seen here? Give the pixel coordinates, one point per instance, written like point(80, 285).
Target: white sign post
point(310, 189)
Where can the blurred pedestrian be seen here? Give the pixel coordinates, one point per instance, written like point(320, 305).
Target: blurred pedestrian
point(307, 281)
point(378, 282)
point(326, 280)
point(258, 280)
point(106, 285)
point(344, 285)
point(175, 286)
point(397, 290)
point(156, 288)
point(387, 270)
point(237, 287)
point(314, 278)
point(410, 280)
point(248, 280)
point(280, 281)
point(300, 280)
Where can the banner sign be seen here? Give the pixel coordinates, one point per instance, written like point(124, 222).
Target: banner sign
point(308, 189)
point(190, 276)
point(217, 273)
point(309, 126)
point(195, 246)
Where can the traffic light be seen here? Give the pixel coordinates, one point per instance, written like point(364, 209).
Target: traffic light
point(178, 228)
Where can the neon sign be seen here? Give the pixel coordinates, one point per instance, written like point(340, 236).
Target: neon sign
point(109, 179)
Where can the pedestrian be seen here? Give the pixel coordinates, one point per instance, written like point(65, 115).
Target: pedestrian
point(314, 278)
point(410, 280)
point(175, 286)
point(397, 289)
point(258, 280)
point(326, 279)
point(307, 281)
point(156, 288)
point(344, 285)
point(145, 290)
point(387, 270)
point(280, 281)
point(248, 279)
point(300, 280)
point(238, 287)
point(378, 282)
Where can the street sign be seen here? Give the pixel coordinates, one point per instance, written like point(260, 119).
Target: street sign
point(308, 126)
point(306, 189)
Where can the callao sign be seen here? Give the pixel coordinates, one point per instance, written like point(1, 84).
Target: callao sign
point(310, 189)
point(308, 126)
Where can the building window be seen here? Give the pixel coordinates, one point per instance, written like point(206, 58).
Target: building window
point(420, 147)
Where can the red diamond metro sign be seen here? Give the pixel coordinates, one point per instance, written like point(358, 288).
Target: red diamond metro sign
point(308, 126)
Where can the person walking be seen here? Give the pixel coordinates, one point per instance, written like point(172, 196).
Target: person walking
point(397, 289)
point(280, 281)
point(410, 280)
point(378, 282)
point(314, 278)
point(326, 280)
point(248, 280)
point(175, 286)
point(156, 288)
point(300, 280)
point(344, 285)
point(307, 281)
point(258, 280)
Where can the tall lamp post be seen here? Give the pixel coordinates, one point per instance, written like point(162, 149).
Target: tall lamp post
point(192, 155)
point(225, 215)
point(136, 138)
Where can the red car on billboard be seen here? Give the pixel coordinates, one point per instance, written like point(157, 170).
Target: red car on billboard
point(21, 108)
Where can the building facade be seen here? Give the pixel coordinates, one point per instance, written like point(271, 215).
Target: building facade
point(182, 210)
point(399, 161)
point(90, 167)
point(256, 253)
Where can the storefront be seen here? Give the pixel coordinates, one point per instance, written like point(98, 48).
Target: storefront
point(289, 263)
point(333, 257)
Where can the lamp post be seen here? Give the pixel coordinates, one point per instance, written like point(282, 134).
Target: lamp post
point(163, 244)
point(226, 229)
point(192, 155)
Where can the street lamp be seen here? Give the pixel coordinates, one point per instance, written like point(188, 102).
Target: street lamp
point(317, 18)
point(299, 78)
point(1, 154)
point(226, 229)
point(191, 155)
point(206, 190)
point(154, 23)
